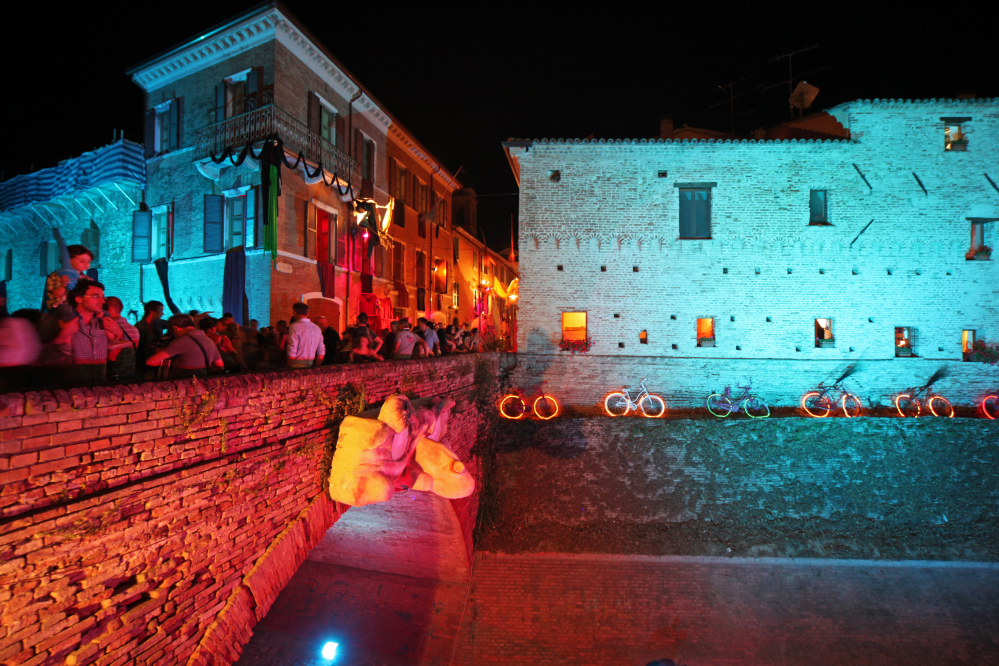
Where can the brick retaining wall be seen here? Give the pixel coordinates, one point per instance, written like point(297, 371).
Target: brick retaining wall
point(156, 523)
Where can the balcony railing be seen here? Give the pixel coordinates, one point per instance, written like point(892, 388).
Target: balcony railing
point(258, 124)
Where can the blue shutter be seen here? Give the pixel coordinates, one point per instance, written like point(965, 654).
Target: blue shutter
point(174, 124)
point(252, 96)
point(214, 223)
point(702, 214)
point(686, 214)
point(8, 264)
point(149, 133)
point(220, 102)
point(142, 236)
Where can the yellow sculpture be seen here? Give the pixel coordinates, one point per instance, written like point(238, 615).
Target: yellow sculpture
point(399, 449)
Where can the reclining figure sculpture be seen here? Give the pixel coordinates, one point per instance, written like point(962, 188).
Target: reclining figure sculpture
point(401, 449)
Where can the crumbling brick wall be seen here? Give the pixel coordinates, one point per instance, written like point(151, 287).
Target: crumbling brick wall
point(156, 523)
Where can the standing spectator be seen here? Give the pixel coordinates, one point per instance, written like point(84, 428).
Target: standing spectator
point(121, 352)
point(305, 346)
point(150, 329)
point(362, 330)
point(231, 359)
point(89, 346)
point(59, 283)
point(254, 324)
point(57, 329)
point(193, 354)
point(407, 344)
point(331, 340)
point(429, 335)
point(389, 339)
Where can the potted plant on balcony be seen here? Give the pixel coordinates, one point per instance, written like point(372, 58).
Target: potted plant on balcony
point(983, 253)
point(705, 342)
point(573, 346)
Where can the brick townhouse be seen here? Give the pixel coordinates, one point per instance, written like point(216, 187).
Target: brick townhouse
point(262, 73)
point(704, 262)
point(90, 199)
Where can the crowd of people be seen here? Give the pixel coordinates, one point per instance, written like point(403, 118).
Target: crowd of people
point(80, 337)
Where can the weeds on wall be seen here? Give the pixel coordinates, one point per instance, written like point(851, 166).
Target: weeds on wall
point(192, 415)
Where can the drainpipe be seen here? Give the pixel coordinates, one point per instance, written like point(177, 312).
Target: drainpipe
point(349, 246)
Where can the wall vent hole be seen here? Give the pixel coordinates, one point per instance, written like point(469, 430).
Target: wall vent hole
point(939, 348)
point(674, 346)
point(617, 316)
point(663, 174)
point(603, 269)
point(731, 318)
point(559, 267)
point(738, 348)
point(555, 176)
point(789, 271)
point(673, 317)
point(852, 349)
point(889, 271)
point(854, 271)
point(620, 345)
point(769, 320)
point(634, 269)
point(725, 270)
point(797, 349)
point(822, 271)
point(870, 320)
point(757, 271)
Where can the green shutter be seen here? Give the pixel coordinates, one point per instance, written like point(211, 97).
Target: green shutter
point(142, 232)
point(214, 223)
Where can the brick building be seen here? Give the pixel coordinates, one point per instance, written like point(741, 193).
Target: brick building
point(707, 262)
point(90, 199)
point(263, 73)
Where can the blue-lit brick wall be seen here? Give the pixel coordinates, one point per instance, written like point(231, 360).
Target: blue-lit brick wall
point(612, 208)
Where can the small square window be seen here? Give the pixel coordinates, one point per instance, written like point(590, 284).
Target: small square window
point(706, 332)
point(824, 334)
point(817, 213)
point(904, 342)
point(643, 337)
point(955, 138)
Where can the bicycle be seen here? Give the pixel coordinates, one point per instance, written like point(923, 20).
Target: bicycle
point(990, 405)
point(545, 407)
point(908, 403)
point(620, 403)
point(818, 404)
point(723, 404)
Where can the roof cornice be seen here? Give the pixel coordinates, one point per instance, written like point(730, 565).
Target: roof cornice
point(402, 136)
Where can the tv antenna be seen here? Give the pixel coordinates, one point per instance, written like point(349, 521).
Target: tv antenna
point(790, 69)
point(730, 86)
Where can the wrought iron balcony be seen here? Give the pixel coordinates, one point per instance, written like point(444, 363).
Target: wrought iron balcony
point(258, 124)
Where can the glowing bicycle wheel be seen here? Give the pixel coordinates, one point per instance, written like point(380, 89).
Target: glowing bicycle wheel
point(940, 406)
point(756, 408)
point(616, 404)
point(545, 407)
point(652, 406)
point(513, 407)
point(851, 405)
point(816, 404)
point(990, 405)
point(907, 406)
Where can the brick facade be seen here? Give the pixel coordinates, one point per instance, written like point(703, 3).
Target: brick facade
point(765, 274)
point(157, 523)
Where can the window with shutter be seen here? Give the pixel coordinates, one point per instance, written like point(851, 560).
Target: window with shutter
point(454, 247)
point(454, 294)
point(214, 224)
point(254, 81)
point(251, 217)
point(315, 113)
point(322, 235)
point(817, 207)
point(421, 269)
point(173, 139)
point(7, 265)
point(220, 102)
point(160, 235)
point(142, 231)
point(398, 262)
point(237, 221)
point(695, 213)
point(341, 241)
point(149, 134)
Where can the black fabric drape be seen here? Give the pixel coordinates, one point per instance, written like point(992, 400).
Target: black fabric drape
point(161, 272)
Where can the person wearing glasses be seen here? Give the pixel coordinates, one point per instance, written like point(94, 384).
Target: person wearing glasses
point(89, 345)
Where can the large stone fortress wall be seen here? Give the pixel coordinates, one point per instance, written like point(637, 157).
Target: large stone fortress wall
point(604, 239)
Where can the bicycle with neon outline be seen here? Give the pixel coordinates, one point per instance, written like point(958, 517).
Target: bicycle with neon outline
point(545, 407)
point(723, 404)
point(818, 404)
point(620, 403)
point(909, 404)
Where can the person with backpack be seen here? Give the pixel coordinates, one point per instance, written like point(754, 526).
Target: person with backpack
point(191, 353)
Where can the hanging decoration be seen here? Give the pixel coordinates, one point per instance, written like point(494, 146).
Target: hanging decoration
point(271, 156)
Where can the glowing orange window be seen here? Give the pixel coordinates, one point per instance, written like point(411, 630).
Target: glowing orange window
point(573, 325)
point(705, 332)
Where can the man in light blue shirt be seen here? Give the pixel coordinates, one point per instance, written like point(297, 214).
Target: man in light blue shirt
point(429, 336)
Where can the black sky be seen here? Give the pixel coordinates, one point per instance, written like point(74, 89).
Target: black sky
point(464, 77)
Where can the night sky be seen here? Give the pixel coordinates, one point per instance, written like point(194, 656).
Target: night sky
point(463, 78)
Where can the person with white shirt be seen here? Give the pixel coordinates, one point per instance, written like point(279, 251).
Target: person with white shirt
point(305, 346)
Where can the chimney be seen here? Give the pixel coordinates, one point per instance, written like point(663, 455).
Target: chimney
point(666, 127)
